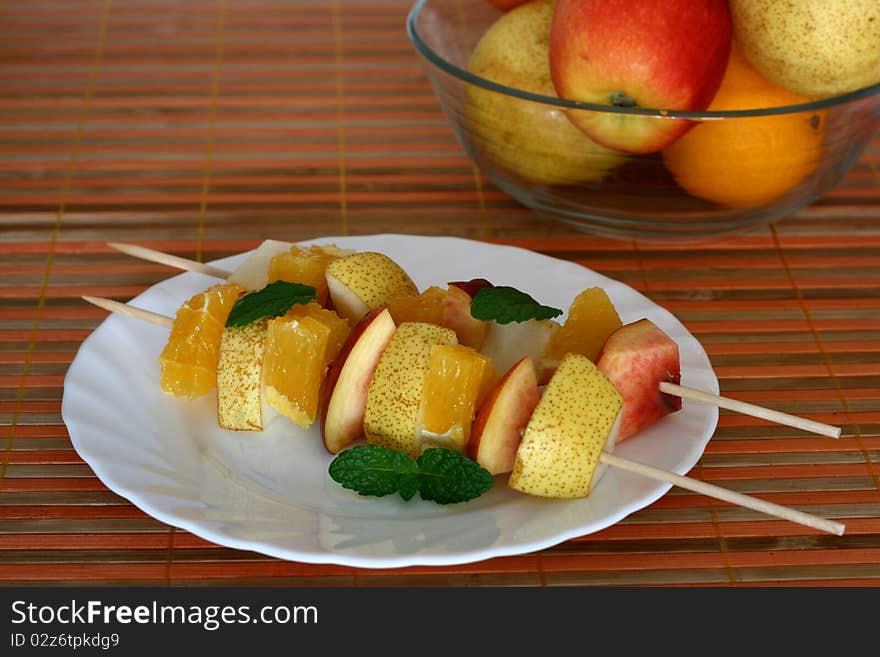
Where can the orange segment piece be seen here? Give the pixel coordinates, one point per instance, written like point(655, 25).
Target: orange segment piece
point(458, 379)
point(426, 307)
point(339, 326)
point(299, 348)
point(189, 360)
point(306, 265)
point(591, 319)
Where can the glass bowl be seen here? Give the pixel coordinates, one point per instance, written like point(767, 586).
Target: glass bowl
point(760, 170)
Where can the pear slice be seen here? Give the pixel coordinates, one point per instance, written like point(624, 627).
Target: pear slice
point(395, 392)
point(253, 273)
point(241, 405)
point(576, 418)
point(365, 281)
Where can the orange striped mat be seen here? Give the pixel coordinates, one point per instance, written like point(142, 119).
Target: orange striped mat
point(203, 127)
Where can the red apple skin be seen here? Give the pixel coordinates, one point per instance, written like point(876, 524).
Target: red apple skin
point(501, 420)
point(472, 286)
point(367, 340)
point(506, 5)
point(636, 358)
point(660, 54)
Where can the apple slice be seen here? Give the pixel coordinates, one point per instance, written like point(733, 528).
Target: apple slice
point(637, 357)
point(472, 286)
point(364, 281)
point(471, 331)
point(345, 389)
point(575, 420)
point(506, 344)
point(502, 418)
point(395, 392)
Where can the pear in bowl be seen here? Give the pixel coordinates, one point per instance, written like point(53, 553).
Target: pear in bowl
point(533, 140)
point(816, 48)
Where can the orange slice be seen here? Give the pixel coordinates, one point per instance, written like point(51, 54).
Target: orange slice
point(299, 348)
point(458, 380)
point(591, 319)
point(339, 326)
point(189, 360)
point(306, 265)
point(426, 307)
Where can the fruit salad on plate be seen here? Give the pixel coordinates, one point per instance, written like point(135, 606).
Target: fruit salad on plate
point(435, 391)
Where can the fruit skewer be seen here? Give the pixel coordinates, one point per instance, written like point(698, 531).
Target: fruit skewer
point(604, 457)
point(159, 257)
point(669, 388)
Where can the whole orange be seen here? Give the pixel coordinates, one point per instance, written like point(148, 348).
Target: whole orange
point(747, 161)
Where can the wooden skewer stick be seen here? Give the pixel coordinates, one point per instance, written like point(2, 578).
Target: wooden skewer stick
point(130, 311)
point(669, 388)
point(751, 409)
point(177, 262)
point(710, 490)
point(651, 472)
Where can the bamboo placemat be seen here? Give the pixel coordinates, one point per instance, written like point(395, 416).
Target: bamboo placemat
point(203, 127)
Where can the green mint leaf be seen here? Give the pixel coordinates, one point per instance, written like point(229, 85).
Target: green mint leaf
point(273, 300)
point(448, 477)
point(374, 470)
point(439, 474)
point(506, 304)
point(408, 485)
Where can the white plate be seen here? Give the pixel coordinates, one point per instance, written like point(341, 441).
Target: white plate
point(270, 491)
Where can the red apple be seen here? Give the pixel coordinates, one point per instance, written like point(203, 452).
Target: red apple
point(637, 357)
point(506, 5)
point(344, 396)
point(654, 54)
point(499, 423)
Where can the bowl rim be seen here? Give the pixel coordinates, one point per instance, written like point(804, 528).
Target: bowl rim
point(466, 76)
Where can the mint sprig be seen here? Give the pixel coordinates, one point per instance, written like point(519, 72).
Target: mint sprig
point(439, 474)
point(272, 301)
point(505, 304)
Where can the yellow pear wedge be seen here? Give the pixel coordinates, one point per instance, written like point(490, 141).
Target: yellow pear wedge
point(365, 281)
point(395, 393)
point(240, 377)
point(575, 420)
